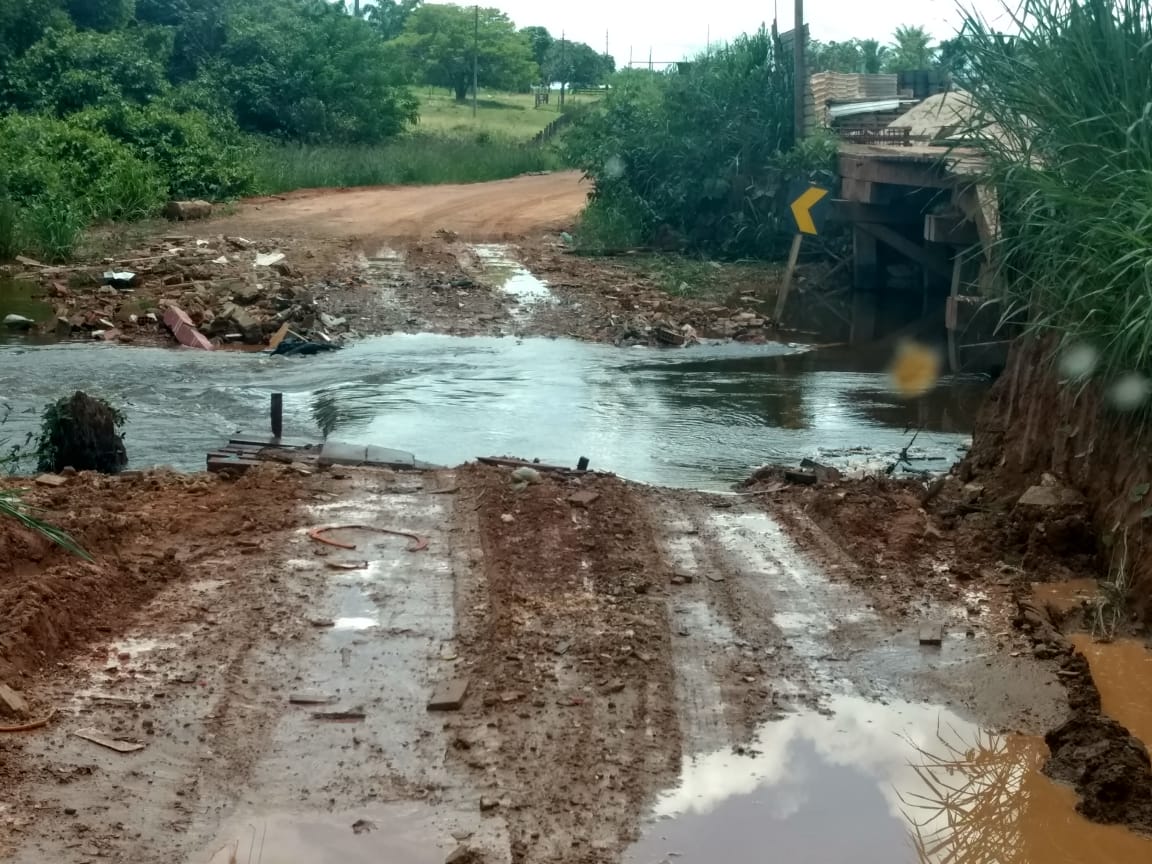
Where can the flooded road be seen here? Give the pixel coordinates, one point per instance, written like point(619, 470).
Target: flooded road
point(699, 417)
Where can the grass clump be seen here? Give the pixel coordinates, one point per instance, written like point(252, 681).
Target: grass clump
point(1065, 125)
point(412, 159)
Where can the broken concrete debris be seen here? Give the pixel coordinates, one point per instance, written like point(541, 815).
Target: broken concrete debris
point(448, 695)
point(12, 704)
point(18, 322)
point(120, 745)
point(932, 635)
point(184, 211)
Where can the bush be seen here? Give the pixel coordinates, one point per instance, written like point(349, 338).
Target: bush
point(56, 178)
point(81, 432)
point(68, 71)
point(54, 161)
point(698, 153)
point(197, 155)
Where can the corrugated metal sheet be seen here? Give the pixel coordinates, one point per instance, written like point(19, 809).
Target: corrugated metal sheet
point(851, 109)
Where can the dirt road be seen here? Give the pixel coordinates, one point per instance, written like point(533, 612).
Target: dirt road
point(477, 212)
point(277, 688)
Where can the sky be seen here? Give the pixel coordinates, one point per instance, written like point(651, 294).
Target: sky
point(676, 30)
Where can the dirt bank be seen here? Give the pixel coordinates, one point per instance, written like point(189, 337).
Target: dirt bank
point(1032, 424)
point(142, 530)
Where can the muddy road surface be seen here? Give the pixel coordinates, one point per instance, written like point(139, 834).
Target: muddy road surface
point(572, 670)
point(483, 665)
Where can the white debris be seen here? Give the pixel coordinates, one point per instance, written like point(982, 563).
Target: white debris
point(268, 259)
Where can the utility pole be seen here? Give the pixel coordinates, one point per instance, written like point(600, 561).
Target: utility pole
point(798, 73)
point(476, 61)
point(563, 67)
point(650, 53)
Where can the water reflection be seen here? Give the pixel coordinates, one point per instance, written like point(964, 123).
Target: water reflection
point(878, 783)
point(701, 417)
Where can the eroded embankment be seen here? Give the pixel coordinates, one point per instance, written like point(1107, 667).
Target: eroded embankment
point(1033, 423)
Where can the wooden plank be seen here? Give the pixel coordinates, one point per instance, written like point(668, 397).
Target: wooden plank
point(266, 440)
point(448, 695)
point(789, 274)
point(919, 175)
point(908, 248)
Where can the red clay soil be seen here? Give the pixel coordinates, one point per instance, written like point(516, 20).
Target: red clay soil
point(914, 549)
point(141, 530)
point(576, 723)
point(1032, 423)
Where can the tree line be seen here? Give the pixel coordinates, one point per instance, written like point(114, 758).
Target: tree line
point(911, 49)
point(108, 107)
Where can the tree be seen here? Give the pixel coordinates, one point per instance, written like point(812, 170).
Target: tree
point(834, 56)
point(872, 56)
point(69, 70)
point(955, 56)
point(389, 16)
point(102, 15)
point(197, 28)
point(306, 71)
point(911, 49)
point(576, 64)
point(439, 41)
point(540, 40)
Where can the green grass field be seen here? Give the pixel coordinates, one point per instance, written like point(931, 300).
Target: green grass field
point(506, 114)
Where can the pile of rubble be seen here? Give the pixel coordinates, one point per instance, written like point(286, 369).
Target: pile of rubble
point(205, 292)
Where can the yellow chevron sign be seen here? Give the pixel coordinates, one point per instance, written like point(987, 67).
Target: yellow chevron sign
point(808, 209)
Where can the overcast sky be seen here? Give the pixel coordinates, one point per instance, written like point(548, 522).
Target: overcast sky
point(675, 30)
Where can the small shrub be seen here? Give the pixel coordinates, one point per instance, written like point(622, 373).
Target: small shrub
point(198, 155)
point(611, 223)
point(51, 160)
point(83, 433)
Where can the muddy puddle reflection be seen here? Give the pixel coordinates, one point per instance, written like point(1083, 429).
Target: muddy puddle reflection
point(877, 784)
point(700, 417)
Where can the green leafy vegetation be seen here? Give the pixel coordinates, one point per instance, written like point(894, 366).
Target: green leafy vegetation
point(108, 107)
point(911, 49)
point(83, 433)
point(1063, 122)
point(697, 158)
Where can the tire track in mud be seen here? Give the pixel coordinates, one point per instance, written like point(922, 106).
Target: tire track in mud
point(764, 628)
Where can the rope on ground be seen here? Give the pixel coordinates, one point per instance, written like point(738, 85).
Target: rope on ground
point(28, 727)
point(418, 543)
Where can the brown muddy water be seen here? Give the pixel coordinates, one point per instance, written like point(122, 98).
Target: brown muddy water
point(1122, 671)
point(877, 784)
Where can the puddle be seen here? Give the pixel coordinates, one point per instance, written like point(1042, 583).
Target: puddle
point(877, 784)
point(399, 833)
point(702, 417)
point(355, 623)
point(1122, 671)
point(518, 280)
point(22, 297)
point(1065, 596)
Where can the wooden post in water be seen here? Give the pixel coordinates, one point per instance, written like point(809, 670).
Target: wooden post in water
point(789, 274)
point(277, 414)
point(582, 465)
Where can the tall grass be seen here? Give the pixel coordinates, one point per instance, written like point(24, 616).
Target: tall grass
point(1065, 122)
point(413, 159)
